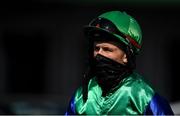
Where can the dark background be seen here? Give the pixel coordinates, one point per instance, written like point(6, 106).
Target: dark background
point(43, 49)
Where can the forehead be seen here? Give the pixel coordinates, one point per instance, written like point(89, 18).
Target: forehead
point(105, 44)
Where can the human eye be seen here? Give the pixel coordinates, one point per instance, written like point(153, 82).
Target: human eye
point(96, 48)
point(108, 49)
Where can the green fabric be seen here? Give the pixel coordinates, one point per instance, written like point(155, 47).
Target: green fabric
point(131, 96)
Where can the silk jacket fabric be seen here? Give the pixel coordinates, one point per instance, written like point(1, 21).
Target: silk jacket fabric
point(132, 96)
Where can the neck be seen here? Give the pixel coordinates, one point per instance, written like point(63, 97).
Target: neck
point(109, 85)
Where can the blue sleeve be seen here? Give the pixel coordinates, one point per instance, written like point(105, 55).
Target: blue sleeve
point(158, 106)
point(71, 108)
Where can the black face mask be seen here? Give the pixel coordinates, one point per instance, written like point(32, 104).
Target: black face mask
point(109, 72)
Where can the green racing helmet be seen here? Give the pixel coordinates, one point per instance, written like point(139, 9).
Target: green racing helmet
point(120, 26)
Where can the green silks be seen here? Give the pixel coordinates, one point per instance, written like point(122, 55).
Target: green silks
point(131, 96)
